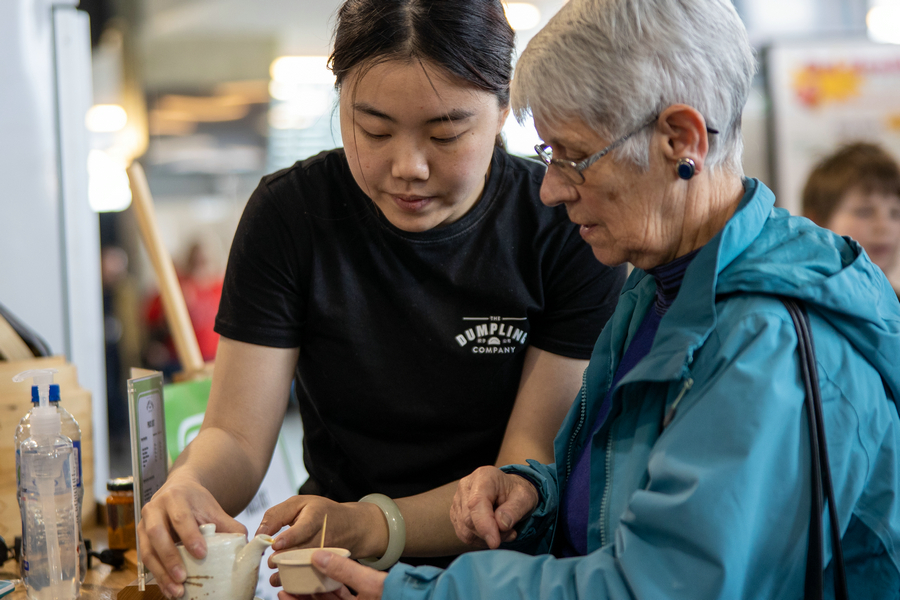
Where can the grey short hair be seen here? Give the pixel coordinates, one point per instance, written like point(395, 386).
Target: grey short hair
point(614, 64)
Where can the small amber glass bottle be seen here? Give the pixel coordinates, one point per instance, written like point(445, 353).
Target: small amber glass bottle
point(120, 513)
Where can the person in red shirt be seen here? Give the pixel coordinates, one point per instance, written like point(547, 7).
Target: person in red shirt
point(201, 283)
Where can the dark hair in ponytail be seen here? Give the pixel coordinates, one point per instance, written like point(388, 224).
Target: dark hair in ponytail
point(469, 38)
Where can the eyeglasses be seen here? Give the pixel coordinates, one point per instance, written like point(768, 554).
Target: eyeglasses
point(574, 170)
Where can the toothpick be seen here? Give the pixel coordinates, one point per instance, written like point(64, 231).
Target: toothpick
point(324, 523)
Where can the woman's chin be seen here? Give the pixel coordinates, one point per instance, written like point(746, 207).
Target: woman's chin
point(414, 223)
point(608, 256)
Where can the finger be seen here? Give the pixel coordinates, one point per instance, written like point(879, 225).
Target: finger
point(509, 536)
point(461, 516)
point(186, 529)
point(158, 549)
point(225, 523)
point(275, 578)
point(521, 499)
point(279, 515)
point(367, 582)
point(168, 587)
point(305, 533)
point(483, 521)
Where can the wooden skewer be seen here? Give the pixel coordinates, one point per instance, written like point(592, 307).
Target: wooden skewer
point(324, 523)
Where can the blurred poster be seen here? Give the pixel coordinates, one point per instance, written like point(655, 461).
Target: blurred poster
point(824, 94)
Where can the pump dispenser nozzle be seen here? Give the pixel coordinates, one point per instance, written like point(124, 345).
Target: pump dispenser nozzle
point(45, 420)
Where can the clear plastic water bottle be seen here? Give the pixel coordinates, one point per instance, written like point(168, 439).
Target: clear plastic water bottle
point(70, 429)
point(50, 563)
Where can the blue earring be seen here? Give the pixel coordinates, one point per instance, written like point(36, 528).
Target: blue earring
point(685, 168)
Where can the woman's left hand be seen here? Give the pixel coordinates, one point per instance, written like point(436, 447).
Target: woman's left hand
point(367, 582)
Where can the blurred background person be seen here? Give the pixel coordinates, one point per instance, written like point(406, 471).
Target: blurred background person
point(124, 338)
point(855, 192)
point(201, 278)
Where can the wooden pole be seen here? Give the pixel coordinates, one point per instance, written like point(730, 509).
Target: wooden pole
point(170, 289)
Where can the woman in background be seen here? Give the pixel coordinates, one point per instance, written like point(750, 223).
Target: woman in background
point(856, 192)
point(435, 315)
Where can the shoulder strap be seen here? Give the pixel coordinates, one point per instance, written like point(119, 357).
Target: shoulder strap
point(821, 471)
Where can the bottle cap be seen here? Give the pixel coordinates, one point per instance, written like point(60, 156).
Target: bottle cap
point(54, 393)
point(120, 484)
point(45, 419)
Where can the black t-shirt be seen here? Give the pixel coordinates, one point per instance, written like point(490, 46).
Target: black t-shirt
point(411, 344)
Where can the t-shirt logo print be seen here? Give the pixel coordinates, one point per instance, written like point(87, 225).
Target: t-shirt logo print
point(493, 335)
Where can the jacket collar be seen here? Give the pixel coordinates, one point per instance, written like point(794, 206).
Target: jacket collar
point(692, 316)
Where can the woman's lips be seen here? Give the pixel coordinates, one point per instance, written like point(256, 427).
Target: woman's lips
point(412, 203)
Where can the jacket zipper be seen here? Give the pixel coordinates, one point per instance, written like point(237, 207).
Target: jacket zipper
point(604, 503)
point(577, 428)
point(688, 384)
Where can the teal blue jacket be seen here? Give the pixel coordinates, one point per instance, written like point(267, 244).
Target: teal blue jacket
point(717, 504)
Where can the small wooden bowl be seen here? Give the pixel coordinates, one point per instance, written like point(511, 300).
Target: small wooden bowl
point(299, 576)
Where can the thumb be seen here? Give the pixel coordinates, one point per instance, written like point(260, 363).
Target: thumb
point(367, 582)
point(226, 524)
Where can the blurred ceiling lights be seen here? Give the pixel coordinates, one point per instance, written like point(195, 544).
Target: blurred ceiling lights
point(883, 21)
point(301, 69)
point(522, 16)
point(175, 114)
point(302, 90)
point(106, 118)
point(108, 188)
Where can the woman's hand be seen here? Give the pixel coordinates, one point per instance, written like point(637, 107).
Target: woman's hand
point(176, 512)
point(357, 526)
point(367, 582)
point(488, 504)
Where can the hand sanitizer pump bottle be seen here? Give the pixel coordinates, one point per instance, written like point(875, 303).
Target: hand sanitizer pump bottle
point(50, 565)
point(70, 429)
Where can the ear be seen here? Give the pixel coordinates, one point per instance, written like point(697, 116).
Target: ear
point(684, 134)
point(504, 113)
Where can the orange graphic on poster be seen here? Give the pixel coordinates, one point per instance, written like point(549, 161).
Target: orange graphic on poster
point(816, 84)
point(893, 122)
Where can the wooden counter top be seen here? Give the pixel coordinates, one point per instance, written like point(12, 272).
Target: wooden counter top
point(102, 582)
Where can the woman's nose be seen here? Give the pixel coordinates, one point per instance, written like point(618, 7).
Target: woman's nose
point(410, 164)
point(556, 188)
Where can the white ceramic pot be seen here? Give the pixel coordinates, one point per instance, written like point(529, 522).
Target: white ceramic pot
point(230, 569)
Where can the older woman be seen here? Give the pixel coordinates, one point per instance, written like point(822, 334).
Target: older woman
point(683, 468)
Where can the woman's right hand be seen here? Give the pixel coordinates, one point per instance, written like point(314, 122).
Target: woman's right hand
point(174, 513)
point(357, 526)
point(488, 504)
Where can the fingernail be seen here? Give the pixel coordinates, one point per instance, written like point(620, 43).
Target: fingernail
point(178, 574)
point(279, 544)
point(505, 520)
point(322, 558)
point(198, 550)
point(175, 591)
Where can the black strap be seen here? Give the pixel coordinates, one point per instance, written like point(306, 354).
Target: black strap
point(821, 471)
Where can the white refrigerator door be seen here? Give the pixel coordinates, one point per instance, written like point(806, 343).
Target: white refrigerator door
point(81, 229)
point(49, 237)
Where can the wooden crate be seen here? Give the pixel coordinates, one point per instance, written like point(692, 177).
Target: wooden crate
point(15, 401)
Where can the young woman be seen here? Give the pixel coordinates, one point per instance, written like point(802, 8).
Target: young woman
point(436, 315)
